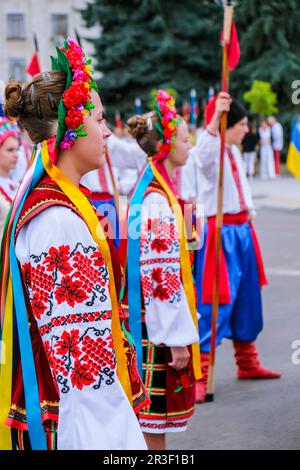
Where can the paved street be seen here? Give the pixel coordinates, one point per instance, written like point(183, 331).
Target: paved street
point(261, 414)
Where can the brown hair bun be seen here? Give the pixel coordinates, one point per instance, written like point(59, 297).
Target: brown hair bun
point(142, 128)
point(137, 126)
point(35, 104)
point(13, 100)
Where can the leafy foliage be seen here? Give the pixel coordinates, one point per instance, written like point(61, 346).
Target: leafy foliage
point(261, 98)
point(174, 43)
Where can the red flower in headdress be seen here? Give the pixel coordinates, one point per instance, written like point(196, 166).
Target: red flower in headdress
point(74, 118)
point(76, 95)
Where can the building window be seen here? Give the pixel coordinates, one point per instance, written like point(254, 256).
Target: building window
point(17, 69)
point(15, 24)
point(59, 24)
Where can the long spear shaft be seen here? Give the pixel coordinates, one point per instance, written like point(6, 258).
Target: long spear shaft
point(228, 17)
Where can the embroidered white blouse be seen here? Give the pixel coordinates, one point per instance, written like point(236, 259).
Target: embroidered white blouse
point(68, 286)
point(168, 317)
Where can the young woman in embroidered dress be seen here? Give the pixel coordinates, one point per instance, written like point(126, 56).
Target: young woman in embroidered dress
point(9, 146)
point(85, 366)
point(166, 294)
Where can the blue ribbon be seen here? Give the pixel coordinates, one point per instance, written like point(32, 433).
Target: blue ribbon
point(31, 392)
point(133, 264)
point(295, 136)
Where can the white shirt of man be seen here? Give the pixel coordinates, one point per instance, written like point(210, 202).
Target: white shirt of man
point(206, 157)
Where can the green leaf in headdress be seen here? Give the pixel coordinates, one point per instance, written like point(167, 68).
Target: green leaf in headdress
point(61, 129)
point(157, 109)
point(94, 86)
point(62, 60)
point(89, 106)
point(159, 128)
point(54, 63)
point(82, 134)
point(69, 78)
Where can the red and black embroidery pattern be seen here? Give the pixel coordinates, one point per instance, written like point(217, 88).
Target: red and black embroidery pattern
point(73, 318)
point(81, 358)
point(62, 286)
point(64, 277)
point(167, 425)
point(160, 263)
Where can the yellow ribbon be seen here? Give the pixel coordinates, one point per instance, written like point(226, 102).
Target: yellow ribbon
point(185, 264)
point(6, 371)
point(95, 228)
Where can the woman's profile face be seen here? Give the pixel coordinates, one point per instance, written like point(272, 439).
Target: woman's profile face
point(9, 154)
point(182, 145)
point(90, 149)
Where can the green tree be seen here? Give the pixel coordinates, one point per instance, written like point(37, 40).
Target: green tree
point(154, 43)
point(262, 100)
point(270, 48)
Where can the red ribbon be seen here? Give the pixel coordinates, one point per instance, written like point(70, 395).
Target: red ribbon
point(210, 260)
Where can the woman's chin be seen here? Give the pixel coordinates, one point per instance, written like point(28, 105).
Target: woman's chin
point(184, 160)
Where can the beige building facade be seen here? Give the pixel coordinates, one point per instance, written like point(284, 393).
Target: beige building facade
point(50, 20)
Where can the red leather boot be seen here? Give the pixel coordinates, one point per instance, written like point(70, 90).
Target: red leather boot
point(247, 360)
point(202, 383)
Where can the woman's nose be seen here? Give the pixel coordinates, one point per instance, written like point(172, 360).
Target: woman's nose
point(107, 132)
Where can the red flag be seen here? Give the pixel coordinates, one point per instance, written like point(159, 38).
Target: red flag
point(234, 52)
point(234, 48)
point(34, 65)
point(118, 121)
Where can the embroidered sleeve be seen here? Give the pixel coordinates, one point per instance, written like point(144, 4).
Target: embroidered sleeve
point(206, 154)
point(67, 283)
point(126, 154)
point(168, 318)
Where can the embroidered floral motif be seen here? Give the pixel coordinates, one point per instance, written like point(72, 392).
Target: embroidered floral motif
point(80, 361)
point(184, 381)
point(58, 259)
point(65, 277)
point(159, 245)
point(70, 291)
point(78, 344)
point(160, 274)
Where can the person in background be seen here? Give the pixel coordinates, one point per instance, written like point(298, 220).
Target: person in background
point(9, 148)
point(267, 166)
point(250, 147)
point(277, 141)
point(25, 153)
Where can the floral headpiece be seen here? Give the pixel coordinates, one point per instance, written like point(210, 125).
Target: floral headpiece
point(9, 129)
point(76, 100)
point(167, 123)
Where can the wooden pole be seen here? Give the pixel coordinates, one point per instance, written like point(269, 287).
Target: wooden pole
point(228, 17)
